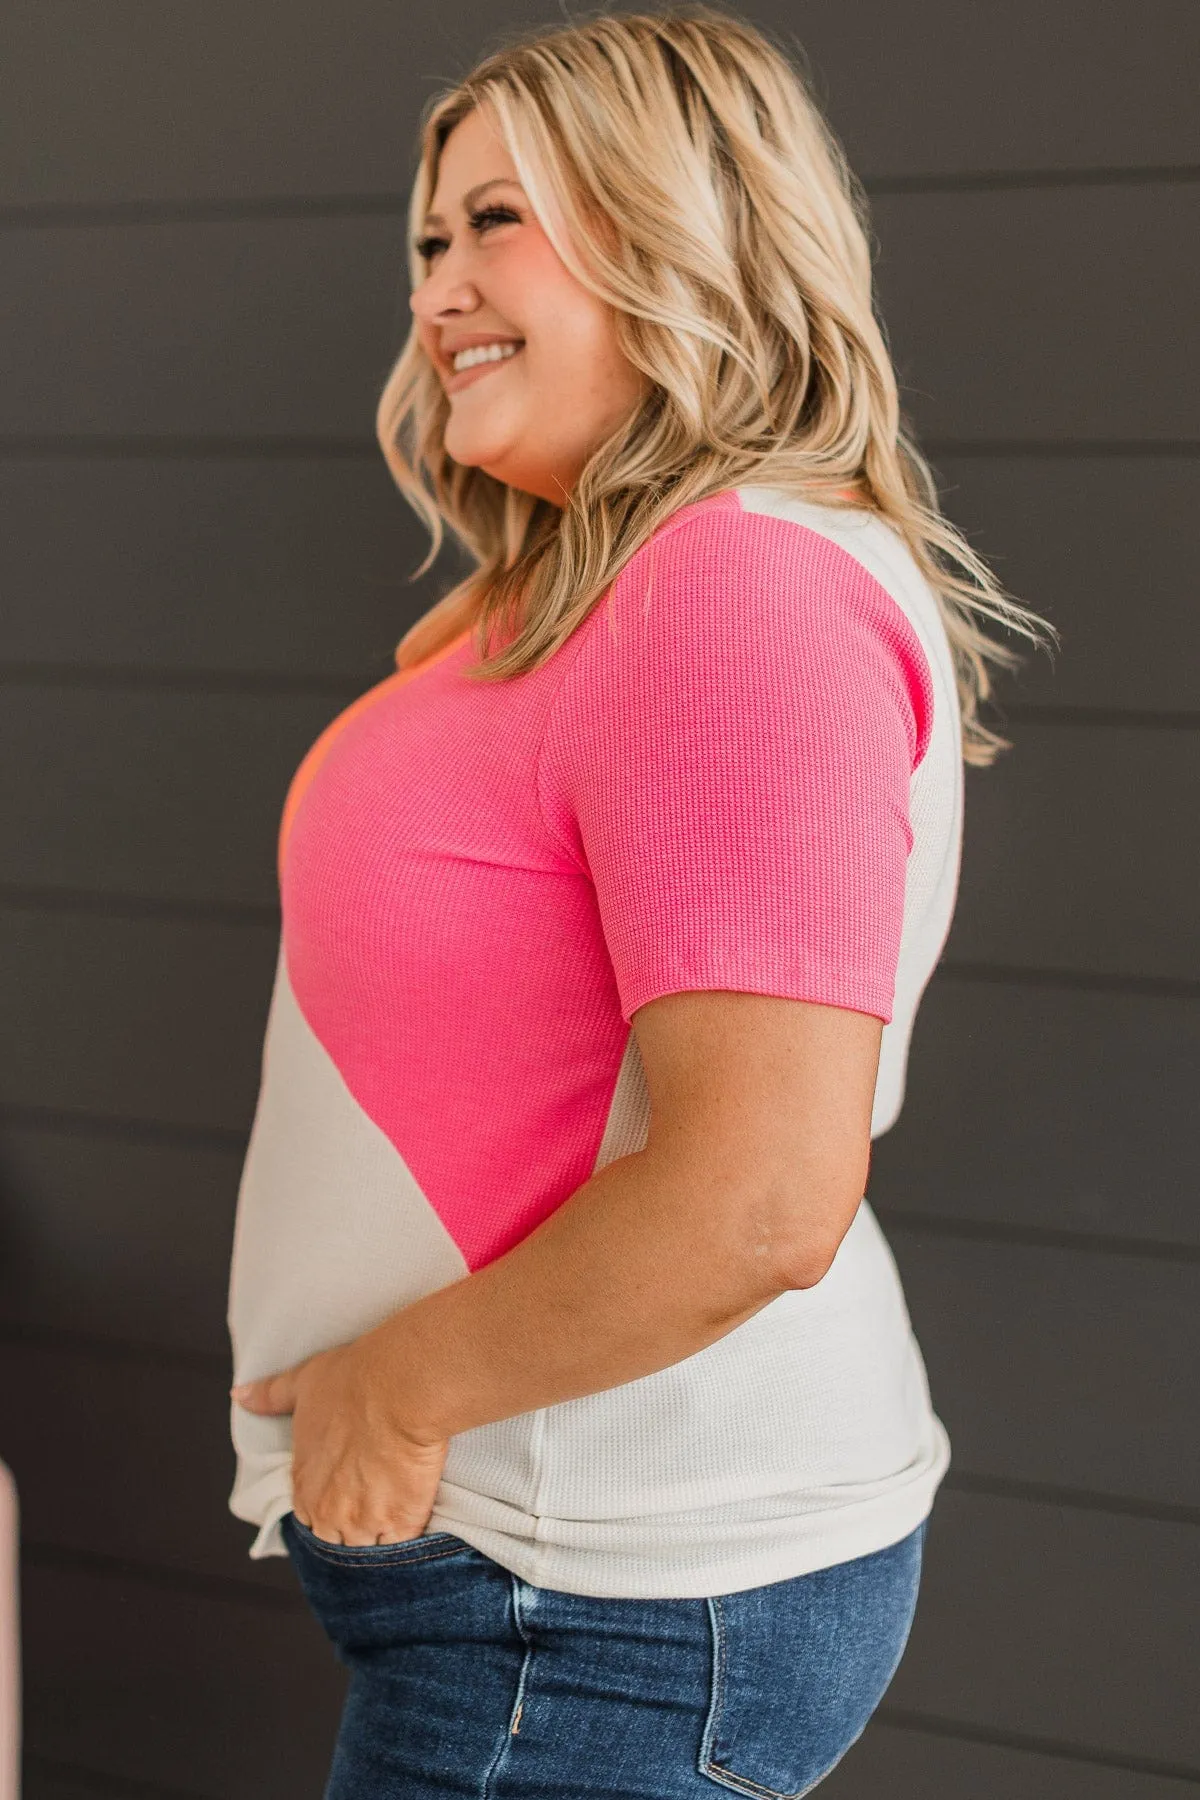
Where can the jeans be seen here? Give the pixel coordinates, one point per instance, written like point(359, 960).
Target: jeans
point(467, 1681)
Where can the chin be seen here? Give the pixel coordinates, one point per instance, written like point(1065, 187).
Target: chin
point(474, 452)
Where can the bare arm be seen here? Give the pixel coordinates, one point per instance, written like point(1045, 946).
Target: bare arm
point(755, 1163)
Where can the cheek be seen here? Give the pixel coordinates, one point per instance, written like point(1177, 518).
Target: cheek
point(562, 320)
point(572, 356)
point(576, 350)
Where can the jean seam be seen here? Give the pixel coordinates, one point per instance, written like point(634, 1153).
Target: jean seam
point(727, 1777)
point(747, 1786)
point(519, 1697)
point(709, 1766)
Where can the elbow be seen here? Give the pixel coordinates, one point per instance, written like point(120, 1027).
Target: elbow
point(810, 1266)
point(778, 1242)
point(813, 1247)
point(776, 1266)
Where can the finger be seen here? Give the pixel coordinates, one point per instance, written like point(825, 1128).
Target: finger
point(273, 1394)
point(356, 1537)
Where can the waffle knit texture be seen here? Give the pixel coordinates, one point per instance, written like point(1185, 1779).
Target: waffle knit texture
point(742, 771)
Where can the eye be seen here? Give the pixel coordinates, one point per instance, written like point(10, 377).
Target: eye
point(493, 215)
point(427, 247)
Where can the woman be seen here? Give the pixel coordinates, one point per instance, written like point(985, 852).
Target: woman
point(574, 1372)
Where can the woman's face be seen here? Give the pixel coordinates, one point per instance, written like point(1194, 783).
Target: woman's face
point(492, 276)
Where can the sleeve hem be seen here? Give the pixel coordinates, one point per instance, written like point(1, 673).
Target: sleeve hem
point(850, 990)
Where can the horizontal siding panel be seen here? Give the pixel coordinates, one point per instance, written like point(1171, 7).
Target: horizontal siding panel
point(139, 1465)
point(209, 1695)
point(300, 567)
point(241, 101)
point(291, 568)
point(1048, 1108)
point(933, 88)
point(1102, 547)
point(1060, 1366)
point(236, 102)
point(281, 327)
point(160, 327)
point(48, 1779)
point(1045, 1621)
point(1081, 854)
point(117, 1238)
point(889, 1763)
point(170, 796)
point(134, 1018)
point(1028, 315)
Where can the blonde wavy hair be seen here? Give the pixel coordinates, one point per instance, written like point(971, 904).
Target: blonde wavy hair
point(710, 204)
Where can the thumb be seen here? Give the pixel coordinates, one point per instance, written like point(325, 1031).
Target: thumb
point(272, 1394)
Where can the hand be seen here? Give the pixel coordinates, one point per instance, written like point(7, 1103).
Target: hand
point(358, 1475)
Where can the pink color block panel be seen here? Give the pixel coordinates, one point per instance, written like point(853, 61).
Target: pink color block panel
point(706, 787)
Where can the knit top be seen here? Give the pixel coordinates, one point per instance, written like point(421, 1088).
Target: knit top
point(742, 771)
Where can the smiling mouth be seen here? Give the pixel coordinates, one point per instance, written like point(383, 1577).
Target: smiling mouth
point(458, 378)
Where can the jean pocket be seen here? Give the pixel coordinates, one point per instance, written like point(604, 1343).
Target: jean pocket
point(799, 1666)
point(430, 1543)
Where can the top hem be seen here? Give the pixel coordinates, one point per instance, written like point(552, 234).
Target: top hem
point(661, 1563)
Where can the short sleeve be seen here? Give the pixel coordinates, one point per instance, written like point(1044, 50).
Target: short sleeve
point(729, 757)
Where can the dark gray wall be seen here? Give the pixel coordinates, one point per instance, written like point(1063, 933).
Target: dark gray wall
point(204, 560)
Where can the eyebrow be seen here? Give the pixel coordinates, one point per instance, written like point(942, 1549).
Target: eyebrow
point(472, 194)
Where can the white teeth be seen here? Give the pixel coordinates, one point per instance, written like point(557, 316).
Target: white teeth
point(466, 359)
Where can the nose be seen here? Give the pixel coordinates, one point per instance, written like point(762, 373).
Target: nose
point(435, 302)
point(445, 292)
